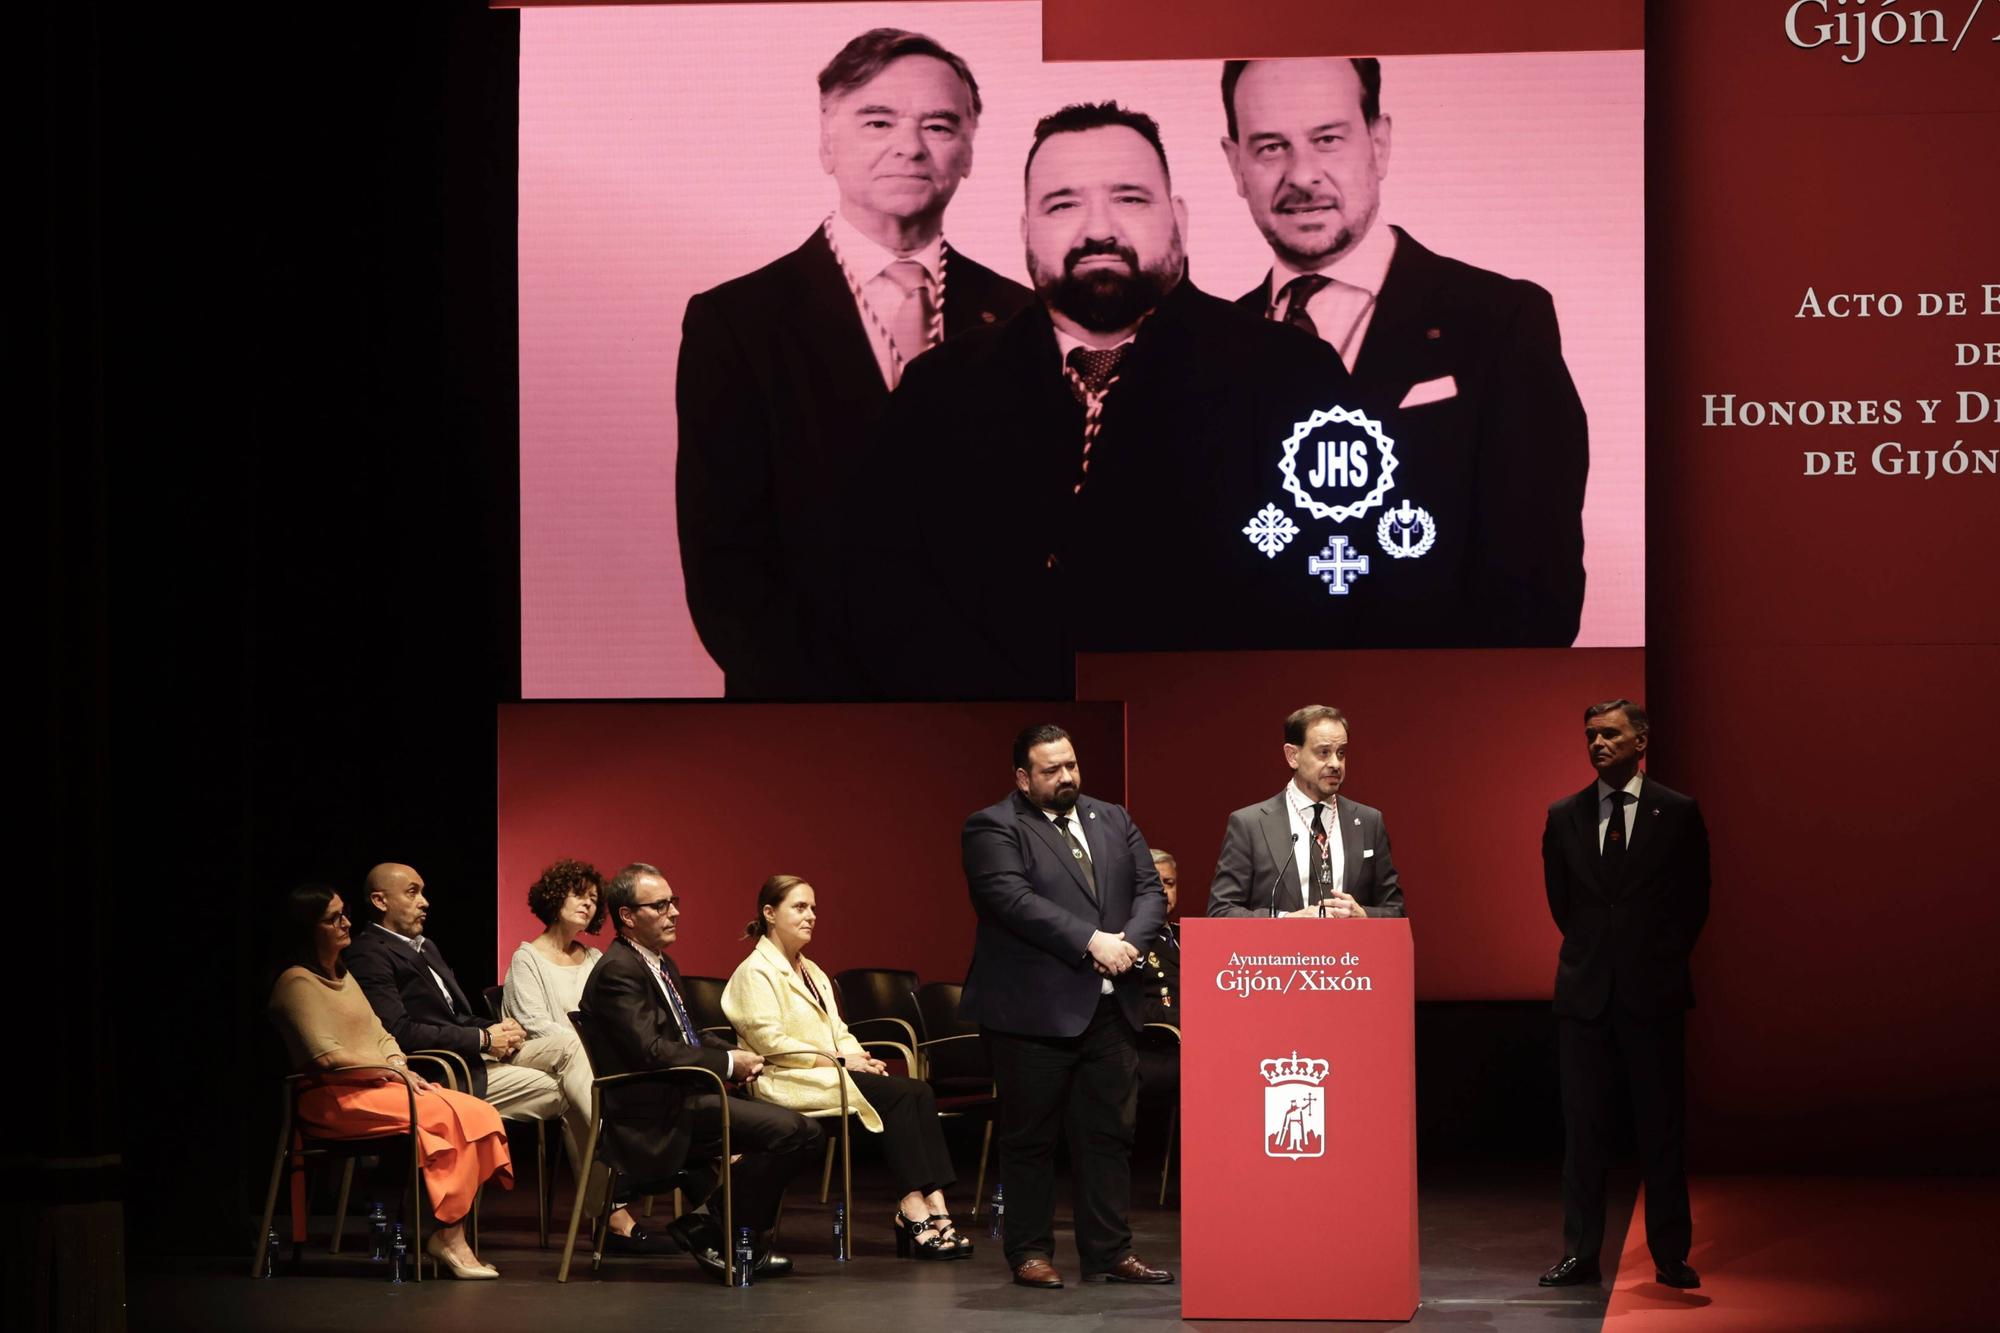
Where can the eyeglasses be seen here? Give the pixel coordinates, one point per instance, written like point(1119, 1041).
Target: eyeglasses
point(334, 920)
point(660, 904)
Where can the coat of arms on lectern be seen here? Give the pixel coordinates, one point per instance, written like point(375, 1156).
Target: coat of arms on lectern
point(1294, 1108)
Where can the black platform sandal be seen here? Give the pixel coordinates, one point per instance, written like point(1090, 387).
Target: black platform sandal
point(919, 1238)
point(960, 1243)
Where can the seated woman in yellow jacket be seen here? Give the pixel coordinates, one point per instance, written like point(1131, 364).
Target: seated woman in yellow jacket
point(779, 1000)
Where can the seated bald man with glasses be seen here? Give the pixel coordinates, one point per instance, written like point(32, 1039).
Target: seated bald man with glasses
point(636, 1007)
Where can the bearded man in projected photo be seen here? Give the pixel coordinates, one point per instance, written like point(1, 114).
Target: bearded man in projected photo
point(785, 372)
point(1481, 537)
point(1123, 393)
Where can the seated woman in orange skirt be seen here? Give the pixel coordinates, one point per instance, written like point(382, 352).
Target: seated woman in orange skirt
point(328, 1026)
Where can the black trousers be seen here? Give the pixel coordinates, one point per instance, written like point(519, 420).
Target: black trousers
point(1648, 1053)
point(912, 1139)
point(1086, 1089)
point(776, 1144)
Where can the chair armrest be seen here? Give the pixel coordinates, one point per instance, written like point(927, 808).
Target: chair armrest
point(457, 1074)
point(908, 1033)
point(1167, 1027)
point(911, 1060)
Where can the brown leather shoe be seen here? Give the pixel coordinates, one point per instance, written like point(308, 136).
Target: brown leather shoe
point(1037, 1272)
point(1130, 1269)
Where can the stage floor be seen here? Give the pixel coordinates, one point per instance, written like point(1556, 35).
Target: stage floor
point(1486, 1235)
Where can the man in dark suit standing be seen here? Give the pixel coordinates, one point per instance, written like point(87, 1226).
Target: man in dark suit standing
point(1308, 851)
point(1626, 865)
point(635, 1007)
point(1481, 534)
point(1123, 394)
point(1067, 900)
point(784, 372)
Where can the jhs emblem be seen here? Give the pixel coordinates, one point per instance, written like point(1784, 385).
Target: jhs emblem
point(1294, 1109)
point(1406, 533)
point(1350, 465)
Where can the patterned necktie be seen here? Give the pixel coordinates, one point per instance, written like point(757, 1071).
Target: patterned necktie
point(1082, 857)
point(904, 290)
point(1094, 366)
point(1319, 867)
point(1297, 292)
point(680, 1010)
point(1614, 834)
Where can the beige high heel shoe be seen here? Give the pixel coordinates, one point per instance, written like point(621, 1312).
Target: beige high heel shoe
point(470, 1272)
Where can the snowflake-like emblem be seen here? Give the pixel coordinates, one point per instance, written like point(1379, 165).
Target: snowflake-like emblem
point(1271, 531)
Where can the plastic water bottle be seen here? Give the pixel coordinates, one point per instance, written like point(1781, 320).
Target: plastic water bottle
point(999, 1210)
point(378, 1231)
point(746, 1256)
point(399, 1254)
point(270, 1254)
point(839, 1230)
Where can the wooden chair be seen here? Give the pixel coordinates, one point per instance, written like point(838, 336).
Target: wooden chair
point(296, 1148)
point(955, 1064)
point(844, 1145)
point(882, 1002)
point(595, 1151)
point(545, 1167)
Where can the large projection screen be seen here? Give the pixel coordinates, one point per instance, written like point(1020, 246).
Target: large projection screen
point(666, 150)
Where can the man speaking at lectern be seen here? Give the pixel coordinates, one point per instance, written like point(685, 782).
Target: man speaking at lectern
point(1308, 837)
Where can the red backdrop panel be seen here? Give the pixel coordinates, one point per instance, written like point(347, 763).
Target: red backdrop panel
point(1461, 751)
point(866, 802)
point(1207, 29)
point(1823, 650)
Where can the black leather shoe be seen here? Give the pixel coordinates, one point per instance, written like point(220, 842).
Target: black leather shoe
point(701, 1238)
point(773, 1265)
point(641, 1241)
point(1572, 1272)
point(1680, 1275)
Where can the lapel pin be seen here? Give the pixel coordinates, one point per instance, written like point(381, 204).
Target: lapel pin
point(1093, 813)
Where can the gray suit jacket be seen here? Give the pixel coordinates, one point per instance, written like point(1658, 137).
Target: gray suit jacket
point(1257, 861)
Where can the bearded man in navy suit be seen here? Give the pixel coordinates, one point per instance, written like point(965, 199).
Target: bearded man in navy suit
point(1625, 862)
point(1068, 901)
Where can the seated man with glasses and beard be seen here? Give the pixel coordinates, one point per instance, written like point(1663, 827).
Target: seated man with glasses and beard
point(1036, 457)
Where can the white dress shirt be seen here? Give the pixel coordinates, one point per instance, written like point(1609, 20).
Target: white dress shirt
point(1336, 851)
point(668, 993)
point(1631, 789)
point(416, 942)
point(1344, 308)
point(1074, 824)
point(866, 258)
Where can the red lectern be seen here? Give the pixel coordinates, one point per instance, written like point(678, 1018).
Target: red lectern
point(1298, 1120)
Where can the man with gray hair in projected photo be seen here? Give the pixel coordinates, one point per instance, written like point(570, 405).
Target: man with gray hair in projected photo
point(785, 372)
point(1481, 533)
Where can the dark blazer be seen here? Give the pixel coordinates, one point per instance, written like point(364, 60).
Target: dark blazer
point(1500, 464)
point(1626, 941)
point(1031, 968)
point(1257, 861)
point(1158, 976)
point(647, 1137)
point(778, 393)
point(1005, 571)
point(398, 983)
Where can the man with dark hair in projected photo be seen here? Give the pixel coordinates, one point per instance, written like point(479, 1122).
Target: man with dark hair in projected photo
point(784, 372)
point(1480, 533)
point(1122, 394)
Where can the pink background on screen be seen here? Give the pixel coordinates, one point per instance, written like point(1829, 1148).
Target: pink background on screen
point(664, 150)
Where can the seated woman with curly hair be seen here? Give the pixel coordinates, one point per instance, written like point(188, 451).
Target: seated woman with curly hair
point(544, 982)
point(328, 1026)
